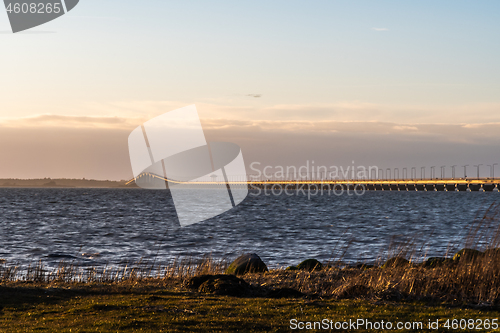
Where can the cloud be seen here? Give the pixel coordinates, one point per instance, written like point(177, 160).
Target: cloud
point(255, 95)
point(464, 133)
point(96, 147)
point(323, 117)
point(288, 121)
point(380, 29)
point(405, 128)
point(137, 111)
point(49, 120)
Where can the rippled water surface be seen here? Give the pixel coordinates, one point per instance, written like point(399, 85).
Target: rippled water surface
point(117, 226)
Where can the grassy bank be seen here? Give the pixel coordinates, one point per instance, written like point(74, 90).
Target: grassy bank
point(162, 306)
point(191, 297)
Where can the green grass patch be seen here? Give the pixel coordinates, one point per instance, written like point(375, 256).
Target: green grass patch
point(102, 308)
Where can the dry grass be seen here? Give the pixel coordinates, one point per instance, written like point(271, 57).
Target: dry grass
point(474, 282)
point(67, 272)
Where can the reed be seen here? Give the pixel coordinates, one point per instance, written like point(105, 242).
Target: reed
point(68, 272)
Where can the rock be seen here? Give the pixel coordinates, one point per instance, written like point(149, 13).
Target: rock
point(392, 294)
point(310, 265)
point(434, 262)
point(492, 253)
point(247, 263)
point(284, 293)
point(227, 285)
point(396, 262)
point(354, 291)
point(362, 266)
point(448, 261)
point(223, 286)
point(467, 254)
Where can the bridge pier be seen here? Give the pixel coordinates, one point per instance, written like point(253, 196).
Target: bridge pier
point(489, 187)
point(440, 187)
point(450, 187)
point(474, 187)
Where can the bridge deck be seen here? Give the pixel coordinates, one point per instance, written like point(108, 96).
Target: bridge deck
point(372, 182)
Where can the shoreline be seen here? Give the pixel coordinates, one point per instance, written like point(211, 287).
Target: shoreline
point(188, 298)
point(63, 183)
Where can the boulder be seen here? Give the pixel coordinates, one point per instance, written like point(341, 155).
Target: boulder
point(310, 265)
point(492, 253)
point(396, 262)
point(284, 293)
point(391, 294)
point(434, 262)
point(467, 254)
point(362, 266)
point(247, 263)
point(354, 291)
point(227, 285)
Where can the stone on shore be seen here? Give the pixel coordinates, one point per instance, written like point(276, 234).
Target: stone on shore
point(467, 254)
point(227, 285)
point(284, 293)
point(310, 265)
point(492, 253)
point(396, 262)
point(434, 262)
point(354, 291)
point(247, 263)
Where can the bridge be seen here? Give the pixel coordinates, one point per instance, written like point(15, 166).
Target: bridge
point(434, 184)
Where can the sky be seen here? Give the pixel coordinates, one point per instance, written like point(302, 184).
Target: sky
point(385, 83)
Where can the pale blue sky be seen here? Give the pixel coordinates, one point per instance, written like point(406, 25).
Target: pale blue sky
point(291, 52)
point(420, 62)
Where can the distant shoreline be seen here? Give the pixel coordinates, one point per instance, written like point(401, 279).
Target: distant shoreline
point(63, 183)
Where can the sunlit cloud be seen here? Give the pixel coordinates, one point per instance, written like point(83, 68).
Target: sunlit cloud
point(470, 133)
point(349, 117)
point(96, 147)
point(135, 112)
point(405, 128)
point(49, 120)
